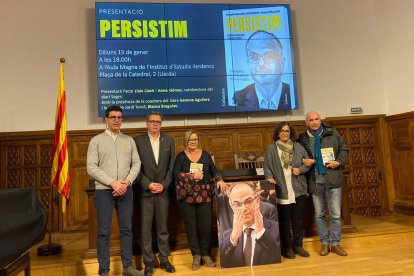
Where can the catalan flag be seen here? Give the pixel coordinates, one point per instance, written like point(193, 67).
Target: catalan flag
point(60, 169)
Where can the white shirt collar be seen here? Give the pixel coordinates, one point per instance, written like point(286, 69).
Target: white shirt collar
point(113, 135)
point(156, 138)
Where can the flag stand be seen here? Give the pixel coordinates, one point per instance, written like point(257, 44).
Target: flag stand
point(50, 248)
point(59, 165)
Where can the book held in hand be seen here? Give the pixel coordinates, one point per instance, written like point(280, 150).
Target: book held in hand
point(327, 155)
point(196, 167)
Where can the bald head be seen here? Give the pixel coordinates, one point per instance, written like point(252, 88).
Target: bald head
point(313, 120)
point(312, 113)
point(262, 39)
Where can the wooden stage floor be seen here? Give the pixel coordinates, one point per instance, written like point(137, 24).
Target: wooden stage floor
point(381, 246)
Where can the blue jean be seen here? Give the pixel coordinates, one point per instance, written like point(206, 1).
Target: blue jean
point(334, 197)
point(105, 204)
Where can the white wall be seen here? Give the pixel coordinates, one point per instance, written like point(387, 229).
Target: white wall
point(342, 60)
point(395, 32)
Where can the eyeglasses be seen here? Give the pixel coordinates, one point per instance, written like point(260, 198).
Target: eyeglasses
point(247, 203)
point(114, 118)
point(268, 57)
point(285, 131)
point(192, 140)
point(154, 122)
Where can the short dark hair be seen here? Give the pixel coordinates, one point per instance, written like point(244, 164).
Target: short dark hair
point(154, 113)
point(113, 108)
point(250, 184)
point(279, 127)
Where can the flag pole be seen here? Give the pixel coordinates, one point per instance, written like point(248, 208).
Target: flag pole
point(54, 248)
point(50, 248)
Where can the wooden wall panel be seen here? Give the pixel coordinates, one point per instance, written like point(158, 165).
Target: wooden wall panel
point(25, 160)
point(401, 134)
point(404, 176)
point(225, 163)
point(25, 163)
point(366, 190)
point(79, 150)
point(77, 217)
point(250, 141)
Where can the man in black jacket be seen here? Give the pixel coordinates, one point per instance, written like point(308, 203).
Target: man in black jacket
point(328, 154)
point(157, 153)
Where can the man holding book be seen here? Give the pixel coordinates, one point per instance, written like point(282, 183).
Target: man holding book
point(327, 156)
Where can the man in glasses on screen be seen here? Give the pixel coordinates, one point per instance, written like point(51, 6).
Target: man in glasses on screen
point(266, 62)
point(157, 153)
point(253, 240)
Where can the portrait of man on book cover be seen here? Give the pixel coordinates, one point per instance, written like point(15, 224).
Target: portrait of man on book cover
point(262, 77)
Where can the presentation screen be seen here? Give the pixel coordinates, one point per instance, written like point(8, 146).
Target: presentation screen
point(194, 58)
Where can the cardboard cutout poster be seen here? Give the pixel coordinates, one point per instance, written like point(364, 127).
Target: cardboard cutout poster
point(248, 228)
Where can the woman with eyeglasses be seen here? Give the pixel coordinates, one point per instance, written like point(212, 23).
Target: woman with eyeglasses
point(195, 177)
point(284, 168)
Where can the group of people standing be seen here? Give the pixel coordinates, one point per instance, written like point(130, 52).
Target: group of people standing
point(297, 167)
point(116, 162)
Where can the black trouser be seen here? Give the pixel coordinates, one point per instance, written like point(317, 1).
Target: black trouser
point(291, 214)
point(197, 222)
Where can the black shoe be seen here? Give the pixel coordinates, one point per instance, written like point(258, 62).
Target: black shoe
point(300, 251)
point(167, 266)
point(149, 269)
point(289, 253)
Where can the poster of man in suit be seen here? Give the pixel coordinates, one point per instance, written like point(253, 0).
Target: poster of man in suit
point(253, 236)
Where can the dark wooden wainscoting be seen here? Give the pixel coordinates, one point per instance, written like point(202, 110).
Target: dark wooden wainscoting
point(401, 133)
point(25, 162)
point(365, 185)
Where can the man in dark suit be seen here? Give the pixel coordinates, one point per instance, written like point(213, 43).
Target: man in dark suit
point(265, 59)
point(157, 154)
point(253, 240)
point(225, 212)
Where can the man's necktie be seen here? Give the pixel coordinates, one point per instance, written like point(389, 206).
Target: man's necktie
point(248, 247)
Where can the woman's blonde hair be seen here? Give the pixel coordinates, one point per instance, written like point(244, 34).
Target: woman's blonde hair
point(187, 135)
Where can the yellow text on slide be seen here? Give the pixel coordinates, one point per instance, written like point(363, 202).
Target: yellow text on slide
point(240, 24)
point(143, 29)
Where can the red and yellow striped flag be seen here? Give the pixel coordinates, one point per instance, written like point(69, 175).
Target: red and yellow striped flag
point(60, 169)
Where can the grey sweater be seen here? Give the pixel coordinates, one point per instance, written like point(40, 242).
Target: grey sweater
point(273, 169)
point(109, 160)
